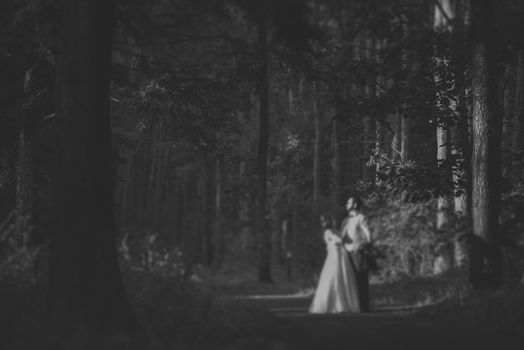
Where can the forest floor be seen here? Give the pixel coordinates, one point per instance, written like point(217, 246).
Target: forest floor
point(228, 309)
point(411, 313)
point(384, 328)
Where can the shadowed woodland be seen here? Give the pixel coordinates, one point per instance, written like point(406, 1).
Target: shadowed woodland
point(159, 158)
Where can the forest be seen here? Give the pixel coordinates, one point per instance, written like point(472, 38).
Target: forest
point(164, 165)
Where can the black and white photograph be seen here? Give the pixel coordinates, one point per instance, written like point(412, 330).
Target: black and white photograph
point(261, 174)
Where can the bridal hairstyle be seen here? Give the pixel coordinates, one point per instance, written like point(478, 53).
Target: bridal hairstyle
point(327, 221)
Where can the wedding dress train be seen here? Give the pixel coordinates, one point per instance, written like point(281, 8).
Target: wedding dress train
point(335, 291)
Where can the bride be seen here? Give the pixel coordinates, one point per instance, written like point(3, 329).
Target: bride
point(334, 292)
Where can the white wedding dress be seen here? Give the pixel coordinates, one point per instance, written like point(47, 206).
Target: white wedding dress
point(334, 293)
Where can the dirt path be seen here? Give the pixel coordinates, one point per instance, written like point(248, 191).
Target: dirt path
point(384, 328)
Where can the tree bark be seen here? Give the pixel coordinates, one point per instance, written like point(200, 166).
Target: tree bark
point(517, 166)
point(405, 137)
point(485, 254)
point(461, 153)
point(369, 120)
point(264, 267)
point(443, 150)
point(125, 191)
point(509, 109)
point(337, 175)
point(396, 148)
point(379, 139)
point(443, 14)
point(220, 243)
point(318, 146)
point(460, 129)
point(85, 283)
point(26, 193)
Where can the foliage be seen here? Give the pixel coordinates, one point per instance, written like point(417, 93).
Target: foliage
point(407, 234)
point(174, 315)
point(419, 291)
point(143, 251)
point(488, 311)
point(408, 179)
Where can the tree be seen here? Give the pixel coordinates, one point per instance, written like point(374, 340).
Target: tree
point(484, 255)
point(518, 120)
point(443, 13)
point(85, 284)
point(264, 267)
point(284, 21)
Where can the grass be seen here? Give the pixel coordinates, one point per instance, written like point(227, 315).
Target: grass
point(195, 316)
point(499, 310)
point(174, 315)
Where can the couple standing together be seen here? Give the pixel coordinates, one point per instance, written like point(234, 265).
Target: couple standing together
point(343, 285)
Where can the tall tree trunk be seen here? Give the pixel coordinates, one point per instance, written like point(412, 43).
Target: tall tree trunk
point(379, 139)
point(85, 283)
point(161, 182)
point(461, 154)
point(318, 146)
point(485, 254)
point(396, 126)
point(509, 109)
point(443, 14)
point(220, 243)
point(460, 130)
point(405, 137)
point(380, 86)
point(26, 190)
point(518, 122)
point(125, 190)
point(25, 185)
point(370, 136)
point(201, 238)
point(337, 175)
point(154, 146)
point(443, 151)
point(264, 267)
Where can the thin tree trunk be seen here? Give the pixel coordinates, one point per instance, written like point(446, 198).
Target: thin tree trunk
point(220, 243)
point(396, 148)
point(161, 182)
point(154, 146)
point(85, 284)
point(25, 186)
point(318, 146)
point(443, 150)
point(125, 191)
point(369, 120)
point(509, 109)
point(443, 14)
point(461, 153)
point(201, 242)
point(26, 190)
point(485, 254)
point(264, 268)
point(460, 131)
point(518, 122)
point(379, 138)
point(337, 176)
point(405, 138)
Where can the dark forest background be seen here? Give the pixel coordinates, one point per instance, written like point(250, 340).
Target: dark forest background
point(148, 147)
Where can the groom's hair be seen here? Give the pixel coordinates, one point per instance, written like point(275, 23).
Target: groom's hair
point(356, 199)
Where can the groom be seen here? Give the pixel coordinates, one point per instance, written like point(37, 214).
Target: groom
point(355, 234)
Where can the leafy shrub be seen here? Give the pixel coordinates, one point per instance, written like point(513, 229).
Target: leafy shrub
point(144, 251)
point(406, 232)
point(491, 310)
point(409, 180)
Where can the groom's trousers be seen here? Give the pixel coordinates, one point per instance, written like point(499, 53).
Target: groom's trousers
point(362, 277)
